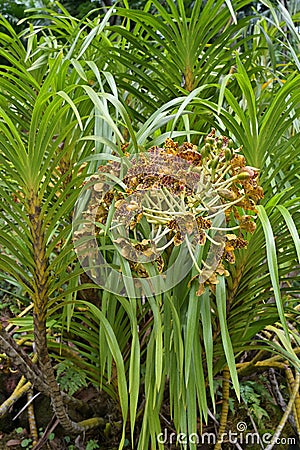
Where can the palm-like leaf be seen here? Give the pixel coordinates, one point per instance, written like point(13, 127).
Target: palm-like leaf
point(168, 52)
point(62, 115)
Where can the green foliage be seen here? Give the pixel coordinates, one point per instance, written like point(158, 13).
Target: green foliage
point(91, 445)
point(25, 442)
point(13, 10)
point(71, 94)
point(70, 378)
point(253, 395)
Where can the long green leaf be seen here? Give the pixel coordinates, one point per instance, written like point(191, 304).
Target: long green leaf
point(273, 268)
point(226, 340)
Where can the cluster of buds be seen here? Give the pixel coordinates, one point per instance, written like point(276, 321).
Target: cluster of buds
point(178, 191)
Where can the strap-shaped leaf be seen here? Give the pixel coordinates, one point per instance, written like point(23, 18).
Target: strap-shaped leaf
point(226, 340)
point(273, 268)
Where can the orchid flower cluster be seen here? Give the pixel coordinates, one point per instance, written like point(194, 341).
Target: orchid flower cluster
point(175, 194)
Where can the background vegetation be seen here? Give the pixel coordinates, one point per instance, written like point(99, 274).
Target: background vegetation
point(78, 91)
